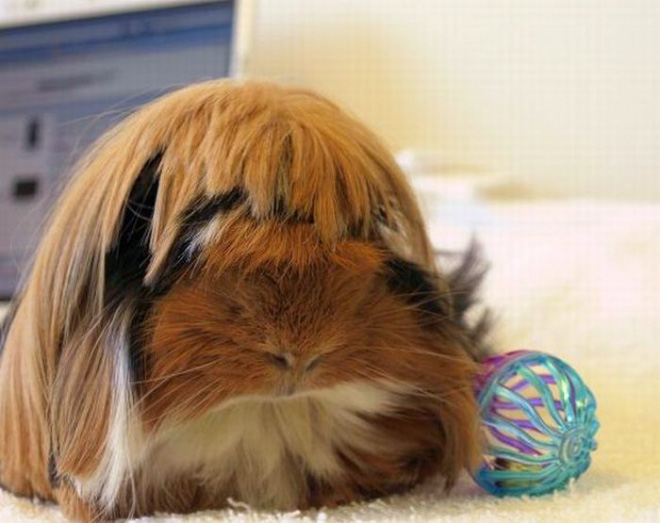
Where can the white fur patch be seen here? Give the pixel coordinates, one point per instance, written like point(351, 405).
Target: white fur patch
point(202, 238)
point(118, 461)
point(260, 449)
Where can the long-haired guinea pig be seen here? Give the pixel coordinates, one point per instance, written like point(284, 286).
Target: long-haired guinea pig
point(235, 297)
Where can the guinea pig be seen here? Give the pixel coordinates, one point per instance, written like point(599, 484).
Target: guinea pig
point(235, 297)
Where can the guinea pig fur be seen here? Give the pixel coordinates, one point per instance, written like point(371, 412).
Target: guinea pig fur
point(235, 297)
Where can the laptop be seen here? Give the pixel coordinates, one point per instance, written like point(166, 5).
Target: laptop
point(66, 80)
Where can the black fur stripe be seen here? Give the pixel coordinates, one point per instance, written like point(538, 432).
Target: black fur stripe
point(126, 263)
point(53, 475)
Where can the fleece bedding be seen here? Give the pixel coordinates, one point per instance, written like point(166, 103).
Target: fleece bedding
point(579, 279)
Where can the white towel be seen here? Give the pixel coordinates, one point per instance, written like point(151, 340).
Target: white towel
point(577, 279)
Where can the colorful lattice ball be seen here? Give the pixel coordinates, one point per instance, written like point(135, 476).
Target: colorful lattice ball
point(538, 422)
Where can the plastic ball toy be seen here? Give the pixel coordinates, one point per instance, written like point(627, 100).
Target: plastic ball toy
point(538, 422)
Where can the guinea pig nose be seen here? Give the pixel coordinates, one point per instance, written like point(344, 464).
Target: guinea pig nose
point(283, 361)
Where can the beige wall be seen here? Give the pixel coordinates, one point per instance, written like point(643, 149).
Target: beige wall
point(562, 94)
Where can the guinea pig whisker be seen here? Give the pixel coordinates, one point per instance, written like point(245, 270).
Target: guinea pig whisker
point(421, 352)
point(412, 307)
point(198, 398)
point(371, 367)
point(411, 389)
point(402, 342)
point(416, 306)
point(160, 382)
point(176, 374)
point(187, 406)
point(193, 404)
point(433, 293)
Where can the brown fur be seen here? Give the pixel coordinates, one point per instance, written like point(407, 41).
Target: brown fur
point(298, 266)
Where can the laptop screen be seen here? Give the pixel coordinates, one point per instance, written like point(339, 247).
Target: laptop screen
point(62, 84)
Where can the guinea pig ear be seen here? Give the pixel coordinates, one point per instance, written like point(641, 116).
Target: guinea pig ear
point(101, 361)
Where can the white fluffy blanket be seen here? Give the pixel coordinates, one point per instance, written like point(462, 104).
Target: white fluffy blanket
point(581, 280)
